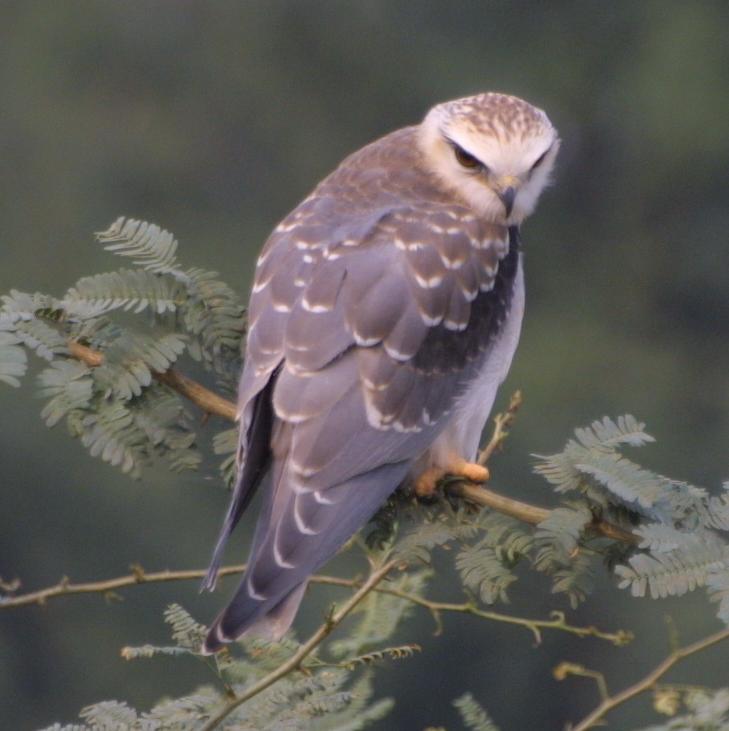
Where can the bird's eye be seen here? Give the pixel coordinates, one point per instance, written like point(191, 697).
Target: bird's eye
point(540, 160)
point(466, 159)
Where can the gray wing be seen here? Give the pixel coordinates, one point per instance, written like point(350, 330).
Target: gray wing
point(362, 336)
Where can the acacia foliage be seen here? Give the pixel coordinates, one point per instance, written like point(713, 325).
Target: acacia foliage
point(118, 410)
point(145, 317)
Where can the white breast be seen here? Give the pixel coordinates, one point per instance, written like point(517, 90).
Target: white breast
point(463, 434)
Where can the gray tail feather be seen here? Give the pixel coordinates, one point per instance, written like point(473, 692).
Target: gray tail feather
point(271, 626)
point(250, 474)
point(356, 502)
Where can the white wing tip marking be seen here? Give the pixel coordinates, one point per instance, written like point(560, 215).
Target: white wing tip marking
point(259, 287)
point(303, 471)
point(429, 282)
point(278, 558)
point(303, 528)
point(430, 321)
point(319, 497)
point(289, 417)
point(364, 342)
point(398, 426)
point(298, 348)
point(220, 636)
point(374, 416)
point(316, 309)
point(395, 354)
point(268, 351)
point(372, 386)
point(455, 325)
point(449, 263)
point(252, 592)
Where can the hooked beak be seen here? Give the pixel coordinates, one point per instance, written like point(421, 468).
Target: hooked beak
point(507, 196)
point(506, 188)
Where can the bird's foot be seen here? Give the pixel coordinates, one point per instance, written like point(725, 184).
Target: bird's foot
point(425, 484)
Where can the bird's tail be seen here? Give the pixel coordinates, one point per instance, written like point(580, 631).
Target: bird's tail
point(297, 532)
point(271, 626)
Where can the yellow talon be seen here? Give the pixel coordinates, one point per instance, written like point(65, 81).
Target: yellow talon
point(425, 484)
point(470, 471)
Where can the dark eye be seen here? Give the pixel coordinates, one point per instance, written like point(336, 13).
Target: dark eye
point(466, 159)
point(540, 160)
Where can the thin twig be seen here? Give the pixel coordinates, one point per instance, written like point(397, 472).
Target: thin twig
point(565, 669)
point(307, 648)
point(502, 423)
point(535, 626)
point(211, 403)
point(140, 576)
point(108, 586)
point(650, 680)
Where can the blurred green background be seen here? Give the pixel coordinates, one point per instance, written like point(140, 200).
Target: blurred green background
point(214, 119)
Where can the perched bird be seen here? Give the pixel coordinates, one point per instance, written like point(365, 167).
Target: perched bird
point(385, 312)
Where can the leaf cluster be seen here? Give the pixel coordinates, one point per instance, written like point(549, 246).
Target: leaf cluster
point(683, 529)
point(118, 409)
point(328, 696)
point(705, 710)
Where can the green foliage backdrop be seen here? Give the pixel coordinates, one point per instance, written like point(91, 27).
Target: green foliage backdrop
point(214, 119)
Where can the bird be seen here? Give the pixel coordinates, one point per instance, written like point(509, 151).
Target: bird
point(384, 314)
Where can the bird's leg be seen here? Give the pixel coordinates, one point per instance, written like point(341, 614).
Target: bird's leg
point(426, 482)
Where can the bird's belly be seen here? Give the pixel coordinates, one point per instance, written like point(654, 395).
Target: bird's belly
point(462, 435)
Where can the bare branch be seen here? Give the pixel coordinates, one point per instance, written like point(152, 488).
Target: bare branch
point(294, 662)
point(535, 626)
point(502, 423)
point(650, 680)
point(139, 576)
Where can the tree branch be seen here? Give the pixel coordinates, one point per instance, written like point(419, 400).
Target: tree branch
point(535, 626)
point(140, 576)
point(502, 424)
point(306, 649)
point(211, 403)
point(650, 680)
point(203, 397)
point(528, 513)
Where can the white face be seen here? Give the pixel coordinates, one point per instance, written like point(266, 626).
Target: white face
point(498, 172)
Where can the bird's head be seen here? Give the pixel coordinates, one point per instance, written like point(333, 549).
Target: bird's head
point(494, 151)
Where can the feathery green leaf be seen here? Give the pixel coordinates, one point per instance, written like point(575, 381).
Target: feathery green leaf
point(13, 360)
point(126, 289)
point(68, 385)
point(150, 246)
point(474, 716)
